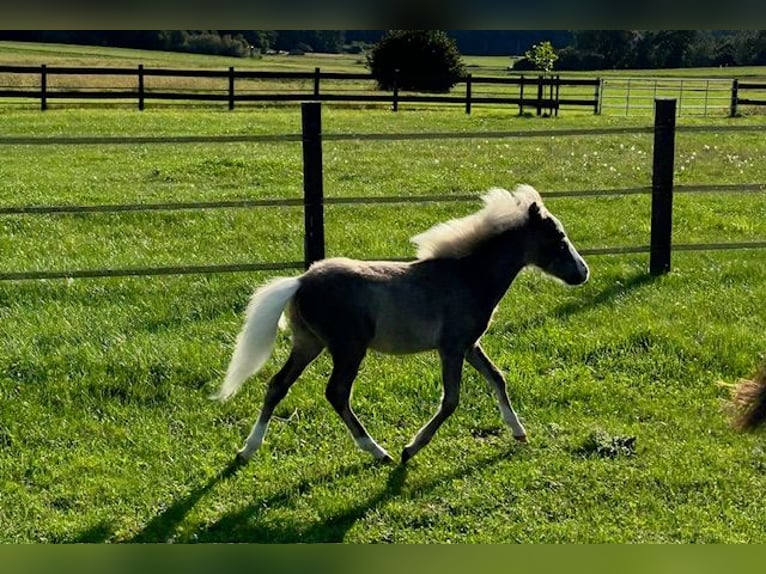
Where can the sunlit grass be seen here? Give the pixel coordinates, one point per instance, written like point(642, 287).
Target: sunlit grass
point(106, 430)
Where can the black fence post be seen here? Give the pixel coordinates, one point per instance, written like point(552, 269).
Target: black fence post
point(521, 95)
point(539, 95)
point(313, 193)
point(317, 76)
point(662, 185)
point(734, 98)
point(596, 97)
point(231, 88)
point(141, 87)
point(43, 88)
point(468, 94)
point(395, 103)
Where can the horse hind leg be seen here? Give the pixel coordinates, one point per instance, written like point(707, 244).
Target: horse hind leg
point(338, 393)
point(452, 364)
point(305, 349)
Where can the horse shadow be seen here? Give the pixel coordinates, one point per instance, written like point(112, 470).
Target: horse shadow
point(248, 524)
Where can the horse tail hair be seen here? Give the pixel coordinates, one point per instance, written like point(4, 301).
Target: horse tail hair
point(749, 402)
point(256, 340)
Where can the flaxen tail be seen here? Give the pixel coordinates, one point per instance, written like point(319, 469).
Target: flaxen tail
point(749, 402)
point(256, 340)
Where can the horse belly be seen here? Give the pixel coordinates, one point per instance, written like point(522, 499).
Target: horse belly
point(403, 337)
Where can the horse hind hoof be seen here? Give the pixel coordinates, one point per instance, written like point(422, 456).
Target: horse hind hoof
point(241, 458)
point(385, 459)
point(406, 455)
point(521, 439)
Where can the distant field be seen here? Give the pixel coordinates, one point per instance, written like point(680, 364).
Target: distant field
point(700, 91)
point(106, 431)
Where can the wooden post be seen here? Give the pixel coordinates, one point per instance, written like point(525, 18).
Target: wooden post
point(141, 87)
point(231, 88)
point(316, 82)
point(43, 88)
point(597, 97)
point(539, 95)
point(395, 103)
point(662, 185)
point(556, 97)
point(313, 193)
point(468, 94)
point(734, 98)
point(521, 95)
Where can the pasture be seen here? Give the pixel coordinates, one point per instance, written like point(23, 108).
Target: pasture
point(106, 430)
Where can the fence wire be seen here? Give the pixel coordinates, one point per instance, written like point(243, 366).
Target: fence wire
point(277, 202)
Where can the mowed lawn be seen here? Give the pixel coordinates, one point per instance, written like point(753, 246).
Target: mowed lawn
point(107, 432)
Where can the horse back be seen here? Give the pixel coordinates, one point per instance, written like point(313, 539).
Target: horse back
point(387, 306)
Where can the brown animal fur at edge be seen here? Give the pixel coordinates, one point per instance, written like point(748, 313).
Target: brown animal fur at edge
point(749, 402)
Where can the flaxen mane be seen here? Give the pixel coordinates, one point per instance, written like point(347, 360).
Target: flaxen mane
point(502, 210)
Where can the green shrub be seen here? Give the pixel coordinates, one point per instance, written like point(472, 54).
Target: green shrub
point(418, 60)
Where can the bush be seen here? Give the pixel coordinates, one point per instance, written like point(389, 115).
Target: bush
point(206, 42)
point(426, 60)
point(523, 65)
point(574, 59)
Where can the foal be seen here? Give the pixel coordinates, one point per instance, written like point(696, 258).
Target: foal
point(444, 300)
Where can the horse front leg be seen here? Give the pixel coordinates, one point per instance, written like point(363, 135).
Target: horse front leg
point(478, 359)
point(452, 366)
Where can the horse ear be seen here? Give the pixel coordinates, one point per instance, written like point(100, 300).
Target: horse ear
point(534, 212)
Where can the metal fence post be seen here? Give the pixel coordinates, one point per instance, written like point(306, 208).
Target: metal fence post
point(313, 193)
point(662, 185)
point(43, 87)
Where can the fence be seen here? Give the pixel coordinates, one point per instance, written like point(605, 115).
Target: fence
point(757, 89)
point(662, 189)
point(694, 96)
point(141, 85)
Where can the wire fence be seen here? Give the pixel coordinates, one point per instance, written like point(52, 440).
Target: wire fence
point(313, 204)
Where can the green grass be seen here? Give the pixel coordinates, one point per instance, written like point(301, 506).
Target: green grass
point(106, 431)
point(700, 91)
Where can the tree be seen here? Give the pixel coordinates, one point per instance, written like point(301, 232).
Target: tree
point(613, 46)
point(421, 60)
point(543, 56)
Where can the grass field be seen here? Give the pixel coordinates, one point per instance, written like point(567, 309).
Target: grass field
point(106, 431)
point(700, 91)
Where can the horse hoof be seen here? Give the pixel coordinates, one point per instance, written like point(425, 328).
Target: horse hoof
point(406, 455)
point(522, 439)
point(241, 458)
point(385, 459)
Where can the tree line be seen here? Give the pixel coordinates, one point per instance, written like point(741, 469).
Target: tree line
point(576, 50)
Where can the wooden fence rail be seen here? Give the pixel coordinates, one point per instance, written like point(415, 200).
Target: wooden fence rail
point(662, 190)
point(737, 100)
point(546, 94)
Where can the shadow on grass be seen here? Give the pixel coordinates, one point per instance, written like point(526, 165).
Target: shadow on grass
point(161, 527)
point(586, 303)
point(250, 525)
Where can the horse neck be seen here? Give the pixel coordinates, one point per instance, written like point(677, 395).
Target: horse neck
point(495, 264)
